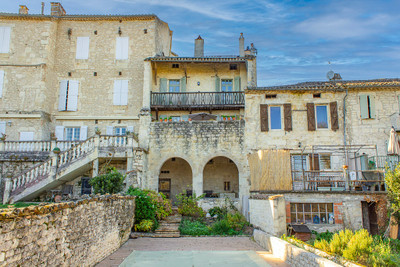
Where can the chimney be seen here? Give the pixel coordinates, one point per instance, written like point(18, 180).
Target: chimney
point(42, 8)
point(241, 45)
point(57, 9)
point(23, 10)
point(199, 47)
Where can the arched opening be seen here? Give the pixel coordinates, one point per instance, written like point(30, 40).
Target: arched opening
point(221, 178)
point(175, 177)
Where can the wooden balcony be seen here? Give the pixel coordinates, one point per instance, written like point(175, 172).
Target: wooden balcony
point(197, 101)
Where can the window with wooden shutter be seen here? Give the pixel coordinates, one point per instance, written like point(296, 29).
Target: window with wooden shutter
point(237, 83)
point(287, 110)
point(82, 47)
point(60, 133)
point(163, 85)
point(310, 116)
point(264, 117)
point(122, 48)
point(120, 92)
point(83, 133)
point(334, 116)
point(367, 106)
point(314, 162)
point(1, 82)
point(62, 100)
point(5, 33)
point(68, 98)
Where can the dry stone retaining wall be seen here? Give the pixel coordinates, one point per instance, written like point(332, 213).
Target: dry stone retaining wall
point(66, 234)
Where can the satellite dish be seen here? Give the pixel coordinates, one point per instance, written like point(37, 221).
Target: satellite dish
point(330, 75)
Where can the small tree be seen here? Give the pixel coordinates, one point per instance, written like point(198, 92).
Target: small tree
point(392, 179)
point(110, 183)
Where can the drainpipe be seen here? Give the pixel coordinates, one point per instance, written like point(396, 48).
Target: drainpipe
point(344, 125)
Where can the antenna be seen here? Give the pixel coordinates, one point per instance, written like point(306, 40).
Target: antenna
point(330, 75)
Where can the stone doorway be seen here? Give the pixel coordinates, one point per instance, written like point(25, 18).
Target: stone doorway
point(175, 177)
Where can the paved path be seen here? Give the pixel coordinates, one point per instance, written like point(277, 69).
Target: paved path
point(191, 252)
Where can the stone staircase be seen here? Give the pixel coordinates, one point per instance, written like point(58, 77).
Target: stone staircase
point(169, 227)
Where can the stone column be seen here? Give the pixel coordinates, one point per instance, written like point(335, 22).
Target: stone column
point(197, 181)
point(147, 84)
point(95, 167)
point(7, 190)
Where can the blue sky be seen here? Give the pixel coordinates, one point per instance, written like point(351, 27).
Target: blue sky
point(295, 39)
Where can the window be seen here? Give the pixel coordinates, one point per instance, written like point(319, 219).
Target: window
point(122, 48)
point(226, 85)
point(82, 48)
point(120, 131)
point(227, 186)
point(275, 118)
point(322, 116)
point(367, 105)
point(5, 33)
point(270, 96)
point(68, 100)
point(72, 134)
point(325, 161)
point(317, 213)
point(176, 118)
point(233, 66)
point(120, 92)
point(174, 86)
point(175, 66)
point(317, 95)
point(1, 82)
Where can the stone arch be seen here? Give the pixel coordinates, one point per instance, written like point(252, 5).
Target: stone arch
point(221, 176)
point(175, 176)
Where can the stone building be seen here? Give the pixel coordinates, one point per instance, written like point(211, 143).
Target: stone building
point(108, 90)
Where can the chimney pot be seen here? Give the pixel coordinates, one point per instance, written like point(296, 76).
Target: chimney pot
point(199, 47)
point(241, 45)
point(57, 9)
point(23, 10)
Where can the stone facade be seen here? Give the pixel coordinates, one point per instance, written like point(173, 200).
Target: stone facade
point(66, 234)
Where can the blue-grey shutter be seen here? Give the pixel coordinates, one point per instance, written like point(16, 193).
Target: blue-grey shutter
point(183, 84)
point(237, 83)
point(364, 106)
point(372, 106)
point(163, 85)
point(217, 84)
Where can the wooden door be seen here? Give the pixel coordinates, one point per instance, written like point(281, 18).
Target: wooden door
point(164, 186)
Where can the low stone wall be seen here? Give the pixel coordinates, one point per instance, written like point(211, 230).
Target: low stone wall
point(65, 234)
point(268, 213)
point(292, 255)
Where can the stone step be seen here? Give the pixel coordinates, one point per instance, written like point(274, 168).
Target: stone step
point(167, 230)
point(164, 235)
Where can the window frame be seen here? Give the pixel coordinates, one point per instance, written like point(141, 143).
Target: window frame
point(120, 130)
point(270, 117)
point(327, 116)
point(222, 85)
point(174, 86)
point(300, 209)
point(330, 161)
point(76, 130)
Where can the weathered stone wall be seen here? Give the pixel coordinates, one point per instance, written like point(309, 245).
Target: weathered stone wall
point(65, 234)
point(197, 143)
point(269, 214)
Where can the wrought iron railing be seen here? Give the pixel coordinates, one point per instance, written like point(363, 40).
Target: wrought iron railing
point(197, 100)
point(381, 162)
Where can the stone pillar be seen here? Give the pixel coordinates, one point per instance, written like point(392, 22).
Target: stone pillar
point(197, 183)
point(147, 84)
point(7, 190)
point(2, 145)
point(241, 45)
point(95, 167)
point(278, 210)
point(54, 164)
point(144, 128)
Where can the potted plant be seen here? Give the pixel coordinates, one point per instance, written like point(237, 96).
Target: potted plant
point(170, 118)
point(56, 150)
point(234, 118)
point(161, 120)
point(165, 120)
point(3, 137)
point(98, 132)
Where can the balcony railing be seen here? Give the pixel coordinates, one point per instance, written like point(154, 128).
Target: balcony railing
point(381, 162)
point(197, 100)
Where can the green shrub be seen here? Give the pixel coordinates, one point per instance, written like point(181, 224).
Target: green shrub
point(384, 252)
point(188, 206)
point(221, 212)
point(194, 228)
point(392, 179)
point(359, 246)
point(322, 245)
point(110, 183)
point(237, 221)
point(323, 236)
point(339, 241)
point(144, 226)
point(222, 227)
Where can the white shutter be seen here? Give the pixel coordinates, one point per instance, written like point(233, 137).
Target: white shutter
point(82, 48)
point(124, 93)
point(122, 48)
point(2, 128)
point(5, 33)
point(72, 103)
point(60, 133)
point(129, 129)
point(110, 130)
point(83, 133)
point(62, 101)
point(1, 82)
point(117, 92)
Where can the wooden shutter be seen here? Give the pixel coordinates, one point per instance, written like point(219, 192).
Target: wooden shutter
point(2, 128)
point(314, 162)
point(217, 84)
point(334, 116)
point(62, 101)
point(372, 106)
point(60, 133)
point(264, 117)
point(122, 48)
point(1, 82)
point(287, 110)
point(83, 133)
point(311, 116)
point(72, 97)
point(163, 85)
point(5, 33)
point(82, 48)
point(110, 130)
point(124, 93)
point(364, 106)
point(237, 83)
point(183, 84)
point(117, 92)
